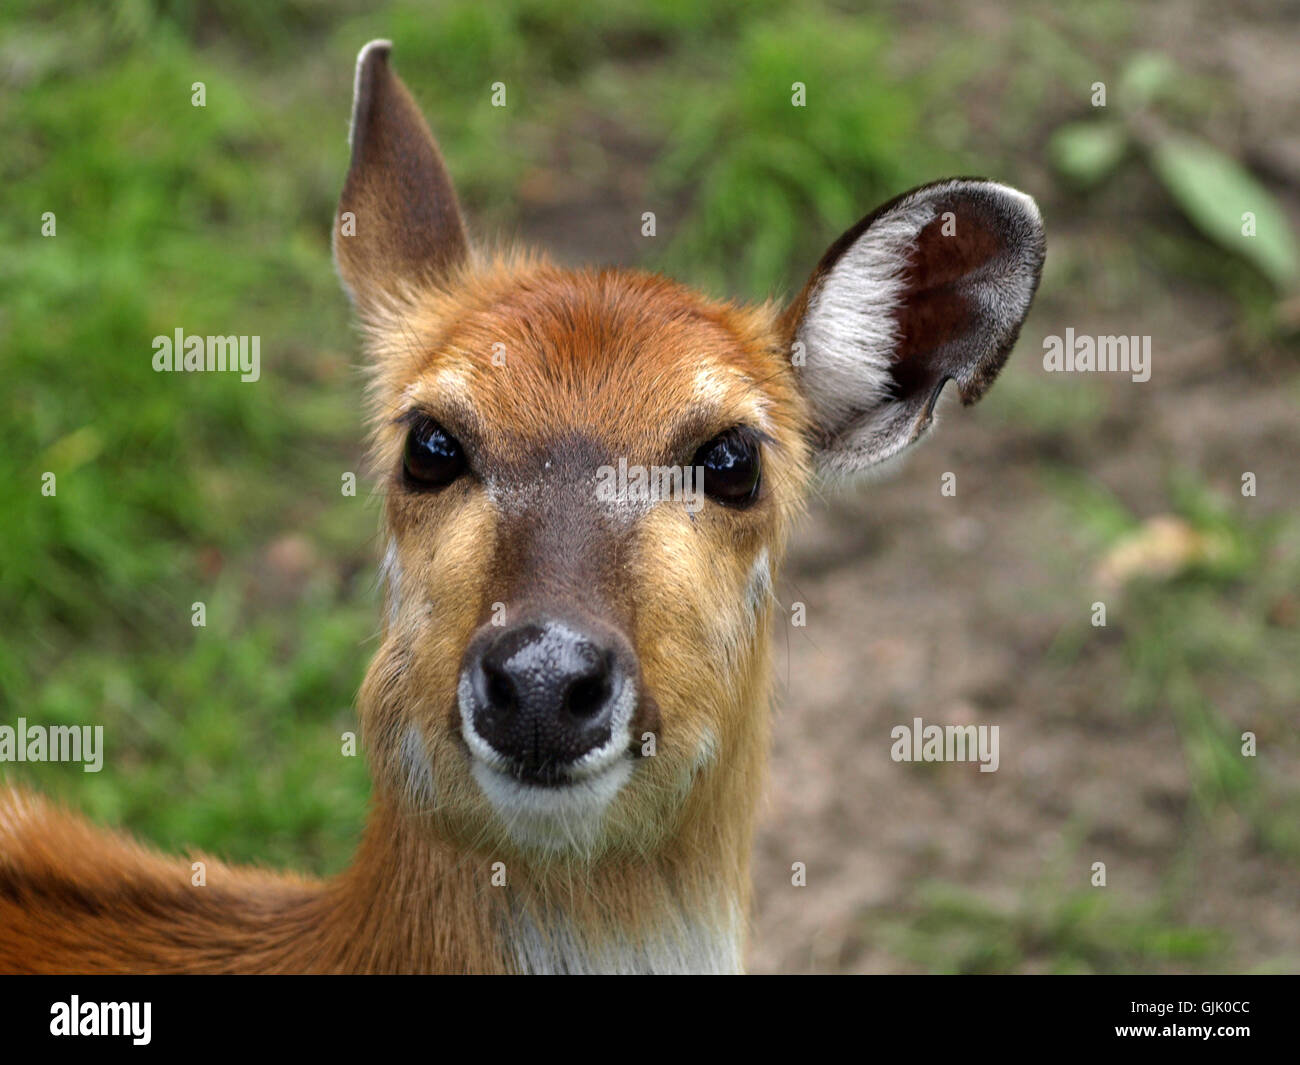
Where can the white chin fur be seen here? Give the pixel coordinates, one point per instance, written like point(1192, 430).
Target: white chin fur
point(565, 818)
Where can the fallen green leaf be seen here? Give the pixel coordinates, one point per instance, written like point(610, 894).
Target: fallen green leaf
point(1226, 203)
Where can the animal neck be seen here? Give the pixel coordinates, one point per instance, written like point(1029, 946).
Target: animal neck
point(413, 903)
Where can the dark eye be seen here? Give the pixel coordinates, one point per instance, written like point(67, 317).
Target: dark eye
point(433, 457)
point(732, 470)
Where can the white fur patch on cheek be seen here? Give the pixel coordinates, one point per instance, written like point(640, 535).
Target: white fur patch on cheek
point(706, 751)
point(390, 576)
point(734, 623)
point(759, 589)
point(417, 770)
point(706, 756)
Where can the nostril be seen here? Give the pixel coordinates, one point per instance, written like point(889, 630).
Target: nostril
point(587, 696)
point(501, 692)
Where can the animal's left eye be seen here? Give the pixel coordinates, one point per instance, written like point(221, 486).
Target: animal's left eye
point(732, 467)
point(432, 456)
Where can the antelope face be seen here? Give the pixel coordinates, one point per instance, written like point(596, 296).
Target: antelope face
point(590, 477)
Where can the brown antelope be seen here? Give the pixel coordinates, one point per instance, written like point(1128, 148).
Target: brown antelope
point(567, 720)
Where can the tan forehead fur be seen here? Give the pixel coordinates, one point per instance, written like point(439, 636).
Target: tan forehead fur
point(526, 352)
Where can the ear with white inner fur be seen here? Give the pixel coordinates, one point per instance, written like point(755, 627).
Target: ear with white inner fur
point(398, 221)
point(930, 288)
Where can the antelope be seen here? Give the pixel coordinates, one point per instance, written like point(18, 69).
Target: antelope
point(567, 719)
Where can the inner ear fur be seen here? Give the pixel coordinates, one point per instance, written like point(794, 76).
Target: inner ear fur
point(929, 288)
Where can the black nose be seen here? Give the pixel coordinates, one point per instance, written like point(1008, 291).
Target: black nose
point(544, 694)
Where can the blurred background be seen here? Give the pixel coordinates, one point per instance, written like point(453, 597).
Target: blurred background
point(1119, 744)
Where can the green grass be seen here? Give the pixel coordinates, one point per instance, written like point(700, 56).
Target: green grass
point(1202, 645)
point(948, 929)
point(215, 220)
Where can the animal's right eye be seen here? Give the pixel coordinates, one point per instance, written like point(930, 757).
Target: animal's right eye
point(432, 458)
point(732, 464)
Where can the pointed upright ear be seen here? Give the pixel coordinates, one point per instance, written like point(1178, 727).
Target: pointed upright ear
point(930, 288)
point(398, 221)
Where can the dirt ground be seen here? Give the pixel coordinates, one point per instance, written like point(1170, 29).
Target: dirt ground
point(920, 605)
